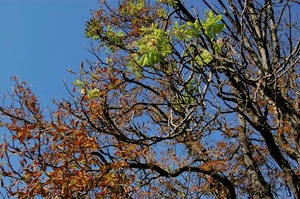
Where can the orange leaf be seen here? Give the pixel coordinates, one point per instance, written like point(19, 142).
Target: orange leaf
point(22, 137)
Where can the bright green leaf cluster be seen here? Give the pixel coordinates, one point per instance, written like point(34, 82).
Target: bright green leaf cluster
point(182, 32)
point(94, 93)
point(153, 46)
point(136, 5)
point(78, 83)
point(190, 30)
point(93, 29)
point(204, 58)
point(111, 33)
point(162, 13)
point(115, 38)
point(195, 27)
point(133, 7)
point(212, 26)
point(218, 45)
point(169, 2)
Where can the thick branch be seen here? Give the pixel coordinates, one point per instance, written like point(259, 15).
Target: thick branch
point(185, 11)
point(179, 171)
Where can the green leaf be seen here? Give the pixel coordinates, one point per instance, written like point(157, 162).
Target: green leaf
point(153, 46)
point(78, 83)
point(212, 26)
point(204, 58)
point(94, 93)
point(144, 60)
point(93, 29)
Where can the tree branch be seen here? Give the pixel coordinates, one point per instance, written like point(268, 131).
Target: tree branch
point(179, 171)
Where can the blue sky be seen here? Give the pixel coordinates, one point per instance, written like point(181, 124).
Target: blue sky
point(40, 40)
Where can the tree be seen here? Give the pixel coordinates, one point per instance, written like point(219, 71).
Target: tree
point(175, 106)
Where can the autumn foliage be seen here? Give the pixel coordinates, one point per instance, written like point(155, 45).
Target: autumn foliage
point(180, 102)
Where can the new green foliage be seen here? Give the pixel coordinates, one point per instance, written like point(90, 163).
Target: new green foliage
point(155, 43)
point(212, 25)
point(153, 46)
point(94, 93)
point(93, 29)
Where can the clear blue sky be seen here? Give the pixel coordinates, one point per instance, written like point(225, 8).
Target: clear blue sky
point(40, 40)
